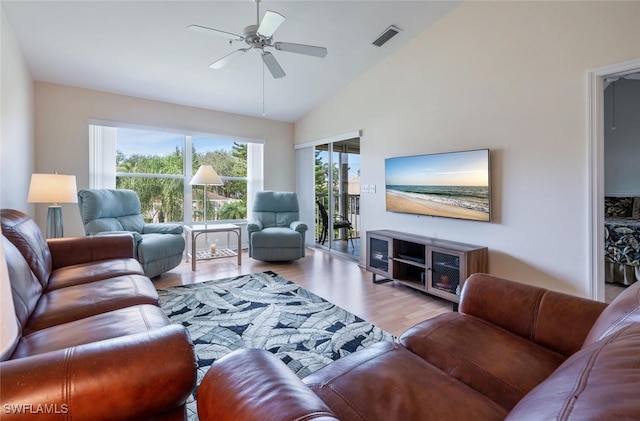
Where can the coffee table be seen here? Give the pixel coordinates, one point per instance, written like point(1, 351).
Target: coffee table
point(192, 232)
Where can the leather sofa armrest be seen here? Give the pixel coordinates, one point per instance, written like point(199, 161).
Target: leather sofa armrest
point(137, 237)
point(75, 250)
point(299, 226)
point(253, 226)
point(554, 320)
point(253, 384)
point(132, 377)
point(162, 229)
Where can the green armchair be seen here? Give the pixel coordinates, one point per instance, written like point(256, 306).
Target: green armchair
point(275, 233)
point(158, 247)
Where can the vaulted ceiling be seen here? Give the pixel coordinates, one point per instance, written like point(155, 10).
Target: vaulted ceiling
point(143, 48)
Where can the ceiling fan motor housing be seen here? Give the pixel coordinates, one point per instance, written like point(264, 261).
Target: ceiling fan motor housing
point(253, 39)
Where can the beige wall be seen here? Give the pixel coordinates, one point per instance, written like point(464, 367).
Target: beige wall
point(509, 76)
point(16, 116)
point(62, 115)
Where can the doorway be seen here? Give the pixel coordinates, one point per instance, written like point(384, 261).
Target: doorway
point(597, 81)
point(337, 197)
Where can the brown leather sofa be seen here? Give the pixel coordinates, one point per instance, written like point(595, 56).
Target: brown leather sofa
point(512, 351)
point(93, 343)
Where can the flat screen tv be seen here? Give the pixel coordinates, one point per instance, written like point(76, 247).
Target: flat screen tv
point(453, 185)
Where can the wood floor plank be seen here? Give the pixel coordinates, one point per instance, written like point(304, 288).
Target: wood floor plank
point(390, 306)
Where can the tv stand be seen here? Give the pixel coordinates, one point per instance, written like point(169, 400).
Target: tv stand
point(437, 267)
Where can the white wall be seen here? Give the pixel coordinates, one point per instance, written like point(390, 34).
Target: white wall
point(622, 145)
point(509, 76)
point(62, 116)
point(16, 117)
point(16, 157)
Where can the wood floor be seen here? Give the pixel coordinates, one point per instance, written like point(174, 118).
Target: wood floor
point(390, 306)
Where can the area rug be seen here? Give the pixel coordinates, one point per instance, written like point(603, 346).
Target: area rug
point(265, 310)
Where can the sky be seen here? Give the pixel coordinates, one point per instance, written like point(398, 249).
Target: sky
point(143, 142)
point(468, 168)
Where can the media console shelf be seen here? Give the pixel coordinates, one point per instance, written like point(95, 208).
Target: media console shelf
point(437, 267)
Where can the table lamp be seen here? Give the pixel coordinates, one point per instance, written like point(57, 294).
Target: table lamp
point(54, 189)
point(206, 176)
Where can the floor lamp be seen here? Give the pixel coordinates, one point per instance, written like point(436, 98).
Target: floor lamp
point(54, 189)
point(206, 176)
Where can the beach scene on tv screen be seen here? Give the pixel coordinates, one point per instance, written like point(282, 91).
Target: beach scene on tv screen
point(453, 185)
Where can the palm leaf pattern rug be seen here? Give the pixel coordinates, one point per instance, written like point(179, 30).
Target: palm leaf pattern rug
point(265, 310)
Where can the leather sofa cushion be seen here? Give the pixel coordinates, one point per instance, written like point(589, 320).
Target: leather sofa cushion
point(27, 237)
point(84, 273)
point(76, 302)
point(386, 382)
point(623, 311)
point(27, 291)
point(599, 382)
point(147, 376)
point(536, 314)
point(114, 324)
point(501, 365)
point(256, 385)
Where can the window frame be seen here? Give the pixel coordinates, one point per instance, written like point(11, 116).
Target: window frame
point(103, 173)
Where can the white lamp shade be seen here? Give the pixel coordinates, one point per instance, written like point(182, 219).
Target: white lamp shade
point(52, 188)
point(207, 176)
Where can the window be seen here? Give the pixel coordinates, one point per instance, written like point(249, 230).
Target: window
point(159, 165)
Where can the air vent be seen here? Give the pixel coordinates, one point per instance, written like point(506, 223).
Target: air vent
point(389, 33)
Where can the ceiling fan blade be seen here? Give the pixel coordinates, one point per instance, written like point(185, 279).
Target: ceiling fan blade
point(226, 59)
point(210, 31)
point(633, 76)
point(273, 66)
point(309, 50)
point(270, 23)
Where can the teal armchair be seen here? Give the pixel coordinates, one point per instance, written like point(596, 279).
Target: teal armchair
point(275, 232)
point(158, 247)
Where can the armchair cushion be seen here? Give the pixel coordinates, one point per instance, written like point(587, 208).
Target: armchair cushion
point(276, 237)
point(133, 223)
point(107, 203)
point(162, 229)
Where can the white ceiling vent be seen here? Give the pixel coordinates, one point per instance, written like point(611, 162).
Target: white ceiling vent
point(388, 33)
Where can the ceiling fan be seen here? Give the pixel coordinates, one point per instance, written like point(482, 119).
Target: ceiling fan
point(258, 37)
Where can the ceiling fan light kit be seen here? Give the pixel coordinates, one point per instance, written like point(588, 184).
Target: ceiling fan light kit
point(259, 37)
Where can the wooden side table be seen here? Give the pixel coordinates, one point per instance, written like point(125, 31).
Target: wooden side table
point(193, 232)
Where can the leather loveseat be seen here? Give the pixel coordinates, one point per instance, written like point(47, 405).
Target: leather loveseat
point(513, 351)
point(92, 342)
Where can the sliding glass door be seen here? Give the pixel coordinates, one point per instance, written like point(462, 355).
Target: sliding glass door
point(337, 190)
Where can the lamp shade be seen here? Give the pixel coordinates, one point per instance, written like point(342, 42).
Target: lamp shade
point(52, 188)
point(207, 176)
